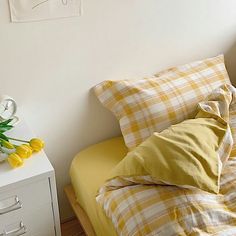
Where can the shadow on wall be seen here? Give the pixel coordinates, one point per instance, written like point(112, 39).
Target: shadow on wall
point(230, 61)
point(97, 122)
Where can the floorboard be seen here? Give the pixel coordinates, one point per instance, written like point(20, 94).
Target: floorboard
point(72, 228)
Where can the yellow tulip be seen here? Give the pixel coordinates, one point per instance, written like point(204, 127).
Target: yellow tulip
point(7, 144)
point(29, 147)
point(23, 151)
point(36, 144)
point(14, 160)
point(30, 150)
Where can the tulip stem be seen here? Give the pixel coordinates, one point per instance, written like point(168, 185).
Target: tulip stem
point(19, 140)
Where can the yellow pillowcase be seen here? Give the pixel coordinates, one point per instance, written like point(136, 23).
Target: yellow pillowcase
point(185, 155)
point(148, 105)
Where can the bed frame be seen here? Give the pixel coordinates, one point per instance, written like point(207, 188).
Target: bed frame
point(79, 212)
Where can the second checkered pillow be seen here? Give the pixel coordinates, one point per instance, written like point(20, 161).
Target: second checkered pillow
point(147, 105)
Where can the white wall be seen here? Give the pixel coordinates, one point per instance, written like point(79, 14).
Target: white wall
point(50, 66)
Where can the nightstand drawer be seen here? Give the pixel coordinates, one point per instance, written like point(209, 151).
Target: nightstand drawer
point(38, 222)
point(24, 198)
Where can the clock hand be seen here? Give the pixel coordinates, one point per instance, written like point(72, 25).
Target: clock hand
point(6, 107)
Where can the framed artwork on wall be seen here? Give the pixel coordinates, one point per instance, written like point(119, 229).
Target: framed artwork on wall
point(37, 10)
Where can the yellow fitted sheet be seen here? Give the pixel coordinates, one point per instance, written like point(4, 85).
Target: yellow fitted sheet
point(88, 171)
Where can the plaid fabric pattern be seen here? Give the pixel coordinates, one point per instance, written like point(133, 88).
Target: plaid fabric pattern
point(220, 105)
point(148, 105)
point(232, 123)
point(138, 206)
point(168, 210)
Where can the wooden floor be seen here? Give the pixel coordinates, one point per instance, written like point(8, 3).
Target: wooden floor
point(72, 228)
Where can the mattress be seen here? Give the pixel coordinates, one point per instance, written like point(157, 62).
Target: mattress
point(88, 171)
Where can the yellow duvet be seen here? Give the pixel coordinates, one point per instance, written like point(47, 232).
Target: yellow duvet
point(179, 181)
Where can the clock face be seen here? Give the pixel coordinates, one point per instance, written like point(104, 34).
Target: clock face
point(7, 109)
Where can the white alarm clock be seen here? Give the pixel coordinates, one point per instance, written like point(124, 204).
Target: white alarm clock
point(8, 107)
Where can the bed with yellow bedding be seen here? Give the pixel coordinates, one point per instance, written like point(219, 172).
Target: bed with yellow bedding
point(178, 182)
point(102, 225)
point(88, 172)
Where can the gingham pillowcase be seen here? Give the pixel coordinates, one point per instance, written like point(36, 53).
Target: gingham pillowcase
point(153, 104)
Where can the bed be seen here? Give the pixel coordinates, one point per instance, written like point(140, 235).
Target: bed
point(177, 175)
point(82, 191)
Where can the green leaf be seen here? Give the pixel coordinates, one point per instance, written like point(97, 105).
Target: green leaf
point(6, 122)
point(4, 129)
point(2, 136)
point(8, 126)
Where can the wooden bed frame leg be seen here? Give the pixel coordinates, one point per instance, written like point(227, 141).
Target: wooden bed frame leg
point(79, 212)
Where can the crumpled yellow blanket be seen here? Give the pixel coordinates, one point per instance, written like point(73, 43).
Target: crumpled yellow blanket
point(187, 158)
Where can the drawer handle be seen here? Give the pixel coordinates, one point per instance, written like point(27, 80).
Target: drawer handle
point(17, 205)
point(15, 232)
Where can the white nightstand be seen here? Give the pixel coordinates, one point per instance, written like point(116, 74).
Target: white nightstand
point(28, 197)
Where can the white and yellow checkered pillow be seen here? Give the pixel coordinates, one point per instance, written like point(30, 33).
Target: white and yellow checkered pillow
point(147, 105)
